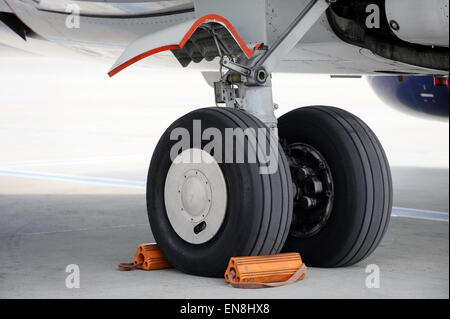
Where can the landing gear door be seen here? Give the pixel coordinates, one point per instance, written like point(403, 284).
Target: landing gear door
point(248, 16)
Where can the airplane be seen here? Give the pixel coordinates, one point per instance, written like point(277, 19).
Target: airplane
point(329, 196)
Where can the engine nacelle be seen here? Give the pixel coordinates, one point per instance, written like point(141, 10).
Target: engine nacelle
point(416, 95)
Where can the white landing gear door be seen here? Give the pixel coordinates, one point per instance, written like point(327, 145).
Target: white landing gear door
point(177, 37)
point(167, 39)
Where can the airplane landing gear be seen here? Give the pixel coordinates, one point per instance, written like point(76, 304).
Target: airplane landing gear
point(327, 194)
point(328, 198)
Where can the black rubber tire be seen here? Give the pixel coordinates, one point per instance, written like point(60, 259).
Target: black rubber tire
point(362, 182)
point(259, 208)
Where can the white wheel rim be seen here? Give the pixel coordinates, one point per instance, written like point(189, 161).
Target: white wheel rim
point(195, 196)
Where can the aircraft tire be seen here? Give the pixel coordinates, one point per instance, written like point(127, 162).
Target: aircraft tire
point(252, 212)
point(343, 216)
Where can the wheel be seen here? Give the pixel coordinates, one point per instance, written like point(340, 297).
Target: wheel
point(212, 199)
point(343, 186)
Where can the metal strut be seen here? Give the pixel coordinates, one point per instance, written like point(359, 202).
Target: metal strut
point(247, 85)
point(294, 33)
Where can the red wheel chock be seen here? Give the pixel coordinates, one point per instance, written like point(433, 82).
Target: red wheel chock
point(148, 257)
point(265, 271)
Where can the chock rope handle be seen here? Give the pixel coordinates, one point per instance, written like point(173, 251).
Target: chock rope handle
point(129, 266)
point(258, 285)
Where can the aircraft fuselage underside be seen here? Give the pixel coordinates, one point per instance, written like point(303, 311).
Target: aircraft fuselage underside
point(107, 27)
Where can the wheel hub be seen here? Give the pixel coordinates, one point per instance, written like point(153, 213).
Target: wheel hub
point(195, 196)
point(313, 189)
point(195, 193)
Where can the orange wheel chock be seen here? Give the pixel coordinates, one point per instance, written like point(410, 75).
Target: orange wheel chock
point(265, 271)
point(148, 257)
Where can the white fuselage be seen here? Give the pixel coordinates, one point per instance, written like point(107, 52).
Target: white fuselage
point(105, 29)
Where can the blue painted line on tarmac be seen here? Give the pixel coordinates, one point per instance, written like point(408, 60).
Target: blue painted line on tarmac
point(80, 179)
point(396, 212)
point(419, 214)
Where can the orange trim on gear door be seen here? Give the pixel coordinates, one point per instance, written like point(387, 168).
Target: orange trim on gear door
point(206, 19)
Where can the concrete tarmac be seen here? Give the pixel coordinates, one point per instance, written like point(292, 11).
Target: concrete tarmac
point(72, 191)
point(97, 227)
